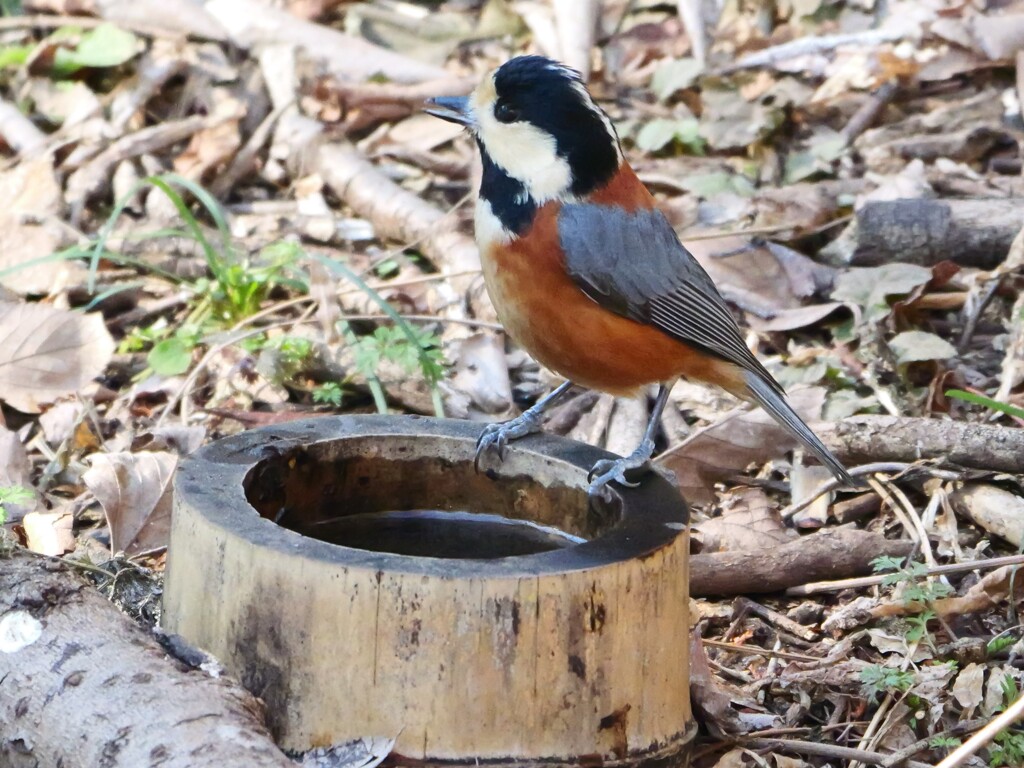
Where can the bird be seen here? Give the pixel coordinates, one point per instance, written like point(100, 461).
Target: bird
point(585, 272)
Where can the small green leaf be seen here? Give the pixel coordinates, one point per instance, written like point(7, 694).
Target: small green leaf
point(170, 357)
point(328, 393)
point(675, 75)
point(13, 494)
point(707, 185)
point(14, 55)
point(869, 287)
point(661, 132)
point(846, 402)
point(105, 46)
point(886, 563)
point(914, 346)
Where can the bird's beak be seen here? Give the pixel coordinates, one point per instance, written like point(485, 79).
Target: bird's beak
point(454, 109)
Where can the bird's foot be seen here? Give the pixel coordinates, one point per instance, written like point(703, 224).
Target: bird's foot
point(620, 470)
point(498, 436)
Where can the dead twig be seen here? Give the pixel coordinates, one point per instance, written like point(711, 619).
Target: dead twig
point(244, 161)
point(776, 618)
point(905, 511)
point(865, 469)
point(806, 45)
point(897, 758)
point(825, 750)
point(869, 111)
point(733, 648)
point(92, 178)
point(814, 588)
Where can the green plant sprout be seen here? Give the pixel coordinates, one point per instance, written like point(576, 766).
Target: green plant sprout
point(942, 741)
point(328, 393)
point(1007, 750)
point(914, 578)
point(876, 678)
point(394, 344)
point(235, 290)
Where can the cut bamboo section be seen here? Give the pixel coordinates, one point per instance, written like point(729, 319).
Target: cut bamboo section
point(567, 656)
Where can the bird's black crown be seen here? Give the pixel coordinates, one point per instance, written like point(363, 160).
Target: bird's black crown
point(553, 98)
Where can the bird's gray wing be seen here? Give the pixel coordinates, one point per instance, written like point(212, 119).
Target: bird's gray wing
point(633, 264)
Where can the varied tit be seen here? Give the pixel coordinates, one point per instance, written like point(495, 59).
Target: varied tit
point(582, 268)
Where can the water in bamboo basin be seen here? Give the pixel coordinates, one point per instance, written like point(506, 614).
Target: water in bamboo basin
point(436, 533)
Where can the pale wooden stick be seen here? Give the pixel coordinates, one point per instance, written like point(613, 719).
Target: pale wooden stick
point(982, 738)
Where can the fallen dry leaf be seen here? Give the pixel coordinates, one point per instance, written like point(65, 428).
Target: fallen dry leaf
point(968, 688)
point(32, 201)
point(734, 758)
point(748, 522)
point(754, 277)
point(46, 353)
point(994, 509)
point(49, 533)
point(709, 694)
point(211, 148)
point(726, 448)
point(481, 374)
point(995, 693)
point(134, 490)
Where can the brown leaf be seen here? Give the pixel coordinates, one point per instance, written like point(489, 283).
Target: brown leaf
point(792, 319)
point(134, 490)
point(726, 448)
point(46, 353)
point(49, 533)
point(211, 148)
point(750, 276)
point(31, 198)
point(709, 695)
point(748, 522)
point(968, 688)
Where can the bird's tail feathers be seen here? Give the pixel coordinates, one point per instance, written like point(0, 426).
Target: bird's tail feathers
point(769, 398)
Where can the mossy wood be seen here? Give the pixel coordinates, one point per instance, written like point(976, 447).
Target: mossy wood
point(569, 655)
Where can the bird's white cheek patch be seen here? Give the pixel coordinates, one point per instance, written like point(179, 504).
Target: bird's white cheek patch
point(489, 229)
point(528, 154)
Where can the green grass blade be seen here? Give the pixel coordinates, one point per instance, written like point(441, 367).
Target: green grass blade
point(380, 400)
point(213, 259)
point(112, 291)
point(166, 183)
point(387, 309)
point(987, 402)
point(209, 202)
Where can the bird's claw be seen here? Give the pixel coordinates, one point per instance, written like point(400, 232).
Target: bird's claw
point(618, 471)
point(498, 436)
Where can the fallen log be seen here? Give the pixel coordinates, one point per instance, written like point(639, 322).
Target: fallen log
point(863, 439)
point(81, 684)
point(828, 554)
point(974, 233)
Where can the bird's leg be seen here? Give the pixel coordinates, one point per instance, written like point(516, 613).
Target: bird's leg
point(608, 470)
point(528, 422)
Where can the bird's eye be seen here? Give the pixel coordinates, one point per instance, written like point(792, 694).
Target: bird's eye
point(505, 112)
